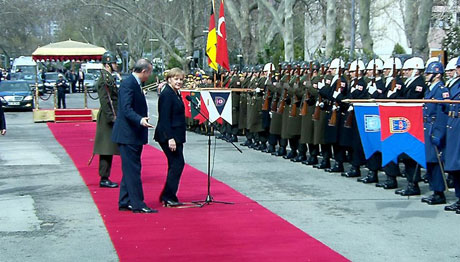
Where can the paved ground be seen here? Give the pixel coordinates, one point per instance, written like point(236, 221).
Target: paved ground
point(47, 213)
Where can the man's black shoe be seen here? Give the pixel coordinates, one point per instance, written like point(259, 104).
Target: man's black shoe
point(270, 149)
point(246, 143)
point(390, 183)
point(291, 154)
point(311, 161)
point(338, 167)
point(411, 190)
point(145, 210)
point(299, 158)
point(437, 199)
point(323, 165)
point(353, 172)
point(171, 203)
point(125, 208)
point(107, 183)
point(281, 152)
point(453, 207)
point(261, 147)
point(233, 139)
point(372, 177)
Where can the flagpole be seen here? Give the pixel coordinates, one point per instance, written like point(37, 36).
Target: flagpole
point(447, 101)
point(215, 79)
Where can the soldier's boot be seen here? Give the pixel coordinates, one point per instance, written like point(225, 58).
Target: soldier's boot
point(453, 207)
point(254, 145)
point(353, 172)
point(248, 142)
point(312, 160)
point(338, 168)
point(325, 164)
point(233, 138)
point(292, 154)
point(261, 147)
point(372, 177)
point(389, 183)
point(411, 190)
point(281, 151)
point(270, 149)
point(301, 157)
point(436, 198)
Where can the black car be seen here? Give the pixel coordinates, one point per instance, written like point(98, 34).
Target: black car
point(16, 94)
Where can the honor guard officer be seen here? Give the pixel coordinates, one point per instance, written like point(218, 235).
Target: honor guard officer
point(243, 114)
point(349, 137)
point(451, 72)
point(435, 121)
point(377, 90)
point(108, 99)
point(333, 92)
point(61, 86)
point(394, 89)
point(453, 141)
point(292, 109)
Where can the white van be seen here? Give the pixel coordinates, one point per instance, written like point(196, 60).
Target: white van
point(92, 68)
point(25, 68)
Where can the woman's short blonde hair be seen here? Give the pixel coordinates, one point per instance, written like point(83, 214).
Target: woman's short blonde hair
point(174, 72)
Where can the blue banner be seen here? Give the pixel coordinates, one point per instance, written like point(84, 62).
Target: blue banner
point(368, 120)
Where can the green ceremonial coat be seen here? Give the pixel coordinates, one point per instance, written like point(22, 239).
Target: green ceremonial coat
point(106, 87)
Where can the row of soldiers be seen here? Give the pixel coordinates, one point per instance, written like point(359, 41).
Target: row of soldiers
point(301, 107)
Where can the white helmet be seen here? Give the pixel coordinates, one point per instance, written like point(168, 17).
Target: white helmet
point(414, 63)
point(335, 63)
point(358, 63)
point(378, 64)
point(431, 59)
point(269, 67)
point(452, 64)
point(389, 63)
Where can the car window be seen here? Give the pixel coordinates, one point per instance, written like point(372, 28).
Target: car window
point(12, 86)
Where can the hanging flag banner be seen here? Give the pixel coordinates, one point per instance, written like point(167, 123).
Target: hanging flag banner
point(402, 132)
point(211, 44)
point(188, 109)
point(368, 121)
point(222, 50)
point(218, 104)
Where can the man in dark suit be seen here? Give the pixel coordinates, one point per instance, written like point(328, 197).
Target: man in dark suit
point(130, 132)
point(2, 120)
point(170, 134)
point(81, 80)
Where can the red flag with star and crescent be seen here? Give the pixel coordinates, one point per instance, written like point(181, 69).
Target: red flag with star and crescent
point(222, 51)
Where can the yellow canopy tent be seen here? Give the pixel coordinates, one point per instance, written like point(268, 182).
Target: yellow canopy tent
point(68, 50)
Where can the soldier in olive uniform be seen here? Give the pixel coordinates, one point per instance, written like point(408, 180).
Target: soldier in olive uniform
point(108, 98)
point(281, 117)
point(243, 113)
point(230, 131)
point(276, 90)
point(294, 121)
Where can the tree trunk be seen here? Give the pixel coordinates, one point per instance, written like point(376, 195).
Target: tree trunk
point(288, 30)
point(420, 41)
point(188, 11)
point(331, 26)
point(364, 20)
point(411, 18)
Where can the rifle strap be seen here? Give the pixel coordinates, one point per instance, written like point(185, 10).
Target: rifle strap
point(108, 95)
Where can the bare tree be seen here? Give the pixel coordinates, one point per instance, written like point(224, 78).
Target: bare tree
point(364, 20)
point(331, 26)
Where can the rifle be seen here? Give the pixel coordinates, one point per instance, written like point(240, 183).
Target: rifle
point(317, 113)
point(304, 110)
point(268, 94)
point(393, 81)
point(283, 100)
point(295, 100)
point(333, 119)
point(274, 104)
point(349, 120)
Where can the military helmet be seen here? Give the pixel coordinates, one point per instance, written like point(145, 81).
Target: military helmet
point(304, 65)
point(269, 67)
point(452, 64)
point(414, 63)
point(246, 69)
point(109, 58)
point(435, 67)
point(389, 63)
point(357, 64)
point(378, 64)
point(336, 63)
point(234, 68)
point(315, 65)
point(431, 59)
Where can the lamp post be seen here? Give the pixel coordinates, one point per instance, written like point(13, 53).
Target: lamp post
point(124, 56)
point(240, 60)
point(151, 40)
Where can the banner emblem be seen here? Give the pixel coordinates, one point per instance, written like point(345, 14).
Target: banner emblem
point(399, 125)
point(371, 123)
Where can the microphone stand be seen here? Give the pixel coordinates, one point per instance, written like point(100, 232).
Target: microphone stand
point(209, 199)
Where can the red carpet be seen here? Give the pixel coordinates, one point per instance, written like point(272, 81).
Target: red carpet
point(245, 231)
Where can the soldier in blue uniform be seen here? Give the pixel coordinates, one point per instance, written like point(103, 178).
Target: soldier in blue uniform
point(453, 141)
point(435, 120)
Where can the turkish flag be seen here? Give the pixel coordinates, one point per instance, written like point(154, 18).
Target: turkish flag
point(222, 51)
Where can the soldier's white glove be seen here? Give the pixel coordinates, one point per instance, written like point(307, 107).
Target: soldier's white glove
point(371, 88)
point(350, 108)
point(321, 84)
point(257, 90)
point(336, 94)
point(352, 89)
point(391, 92)
point(317, 103)
point(335, 108)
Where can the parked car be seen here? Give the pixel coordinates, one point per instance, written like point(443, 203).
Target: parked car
point(50, 81)
point(90, 82)
point(16, 94)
